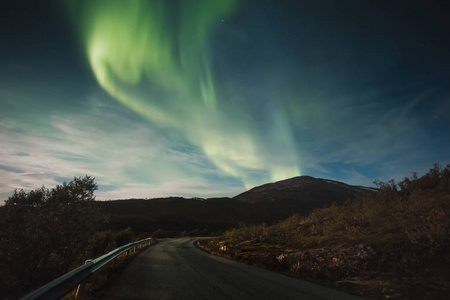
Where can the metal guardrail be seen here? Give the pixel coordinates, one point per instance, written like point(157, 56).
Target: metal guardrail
point(64, 284)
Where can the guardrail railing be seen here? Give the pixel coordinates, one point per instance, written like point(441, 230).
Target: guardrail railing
point(64, 284)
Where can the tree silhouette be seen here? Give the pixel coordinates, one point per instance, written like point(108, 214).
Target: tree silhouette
point(43, 232)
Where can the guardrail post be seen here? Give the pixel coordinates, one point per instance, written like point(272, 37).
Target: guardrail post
point(82, 286)
point(65, 283)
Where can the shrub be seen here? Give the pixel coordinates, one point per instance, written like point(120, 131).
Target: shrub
point(43, 232)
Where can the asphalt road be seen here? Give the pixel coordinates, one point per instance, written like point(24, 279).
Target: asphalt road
point(176, 269)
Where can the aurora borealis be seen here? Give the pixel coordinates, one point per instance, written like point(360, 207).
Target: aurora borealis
point(208, 98)
point(169, 57)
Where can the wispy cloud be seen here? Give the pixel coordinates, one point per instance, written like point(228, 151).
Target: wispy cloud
point(365, 137)
point(125, 155)
point(190, 187)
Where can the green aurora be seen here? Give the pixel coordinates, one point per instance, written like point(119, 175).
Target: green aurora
point(205, 98)
point(157, 61)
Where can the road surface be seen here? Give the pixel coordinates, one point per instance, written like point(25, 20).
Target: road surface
point(176, 269)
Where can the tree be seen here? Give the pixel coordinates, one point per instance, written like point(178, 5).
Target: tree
point(44, 232)
point(80, 189)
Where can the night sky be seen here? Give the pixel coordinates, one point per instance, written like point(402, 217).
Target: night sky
point(209, 98)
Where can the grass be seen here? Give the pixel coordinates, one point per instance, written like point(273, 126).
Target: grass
point(391, 244)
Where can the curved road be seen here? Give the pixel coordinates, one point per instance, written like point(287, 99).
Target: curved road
point(176, 269)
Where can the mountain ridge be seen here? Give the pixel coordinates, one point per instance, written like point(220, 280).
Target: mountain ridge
point(303, 188)
point(271, 202)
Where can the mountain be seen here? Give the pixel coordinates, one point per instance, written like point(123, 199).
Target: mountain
point(303, 189)
point(268, 203)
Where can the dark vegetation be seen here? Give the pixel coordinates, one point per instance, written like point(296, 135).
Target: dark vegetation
point(388, 241)
point(169, 217)
point(393, 243)
point(45, 233)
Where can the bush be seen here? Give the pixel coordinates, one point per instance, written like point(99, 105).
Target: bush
point(43, 233)
point(403, 228)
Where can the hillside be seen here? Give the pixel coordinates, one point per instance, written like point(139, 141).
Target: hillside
point(66, 225)
point(267, 203)
point(389, 244)
point(174, 215)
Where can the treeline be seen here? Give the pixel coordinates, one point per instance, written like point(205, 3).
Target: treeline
point(391, 243)
point(47, 232)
